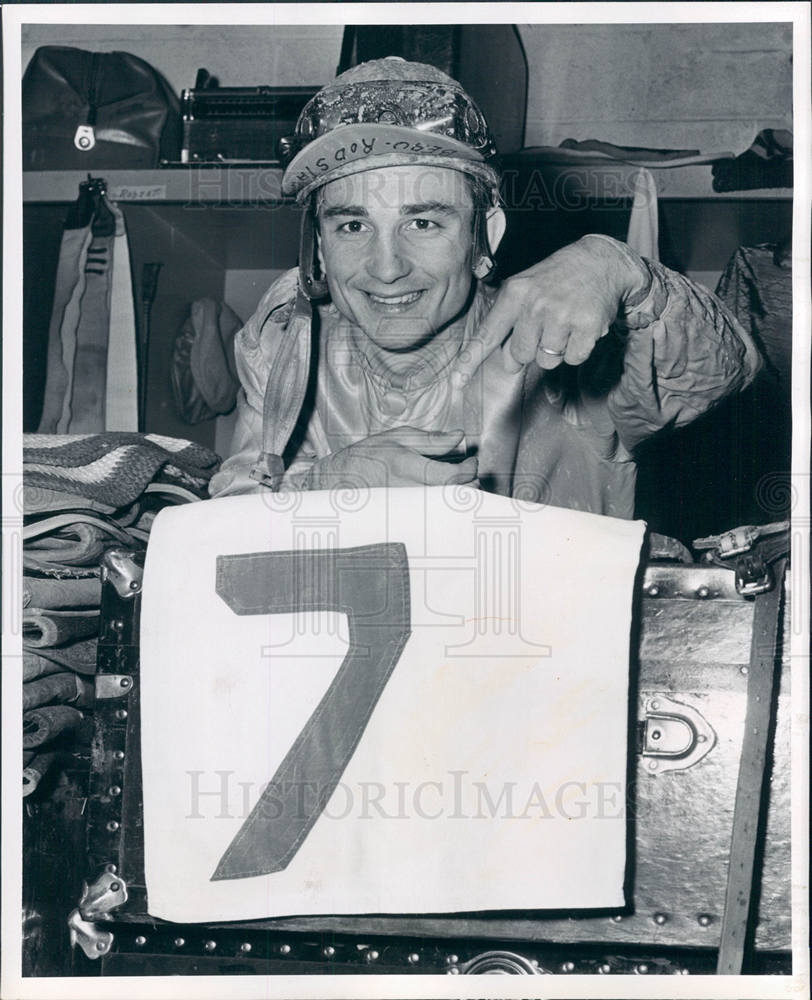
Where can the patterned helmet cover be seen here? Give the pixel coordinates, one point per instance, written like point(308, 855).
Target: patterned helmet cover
point(388, 112)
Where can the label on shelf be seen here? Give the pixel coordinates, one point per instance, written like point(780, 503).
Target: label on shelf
point(137, 192)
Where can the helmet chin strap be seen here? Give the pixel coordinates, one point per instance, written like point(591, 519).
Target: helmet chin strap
point(314, 287)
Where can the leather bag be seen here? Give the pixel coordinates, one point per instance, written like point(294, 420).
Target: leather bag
point(91, 110)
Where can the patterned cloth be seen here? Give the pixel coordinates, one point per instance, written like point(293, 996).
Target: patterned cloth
point(114, 468)
point(83, 494)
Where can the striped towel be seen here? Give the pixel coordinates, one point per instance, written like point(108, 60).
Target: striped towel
point(115, 468)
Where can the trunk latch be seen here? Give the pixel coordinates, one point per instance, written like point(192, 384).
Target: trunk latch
point(673, 736)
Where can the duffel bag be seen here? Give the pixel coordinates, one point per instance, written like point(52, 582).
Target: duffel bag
point(90, 110)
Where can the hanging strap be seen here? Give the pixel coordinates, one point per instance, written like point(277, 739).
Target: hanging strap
point(284, 393)
point(747, 814)
point(121, 377)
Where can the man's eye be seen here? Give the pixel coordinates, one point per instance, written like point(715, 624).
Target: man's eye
point(353, 226)
point(422, 225)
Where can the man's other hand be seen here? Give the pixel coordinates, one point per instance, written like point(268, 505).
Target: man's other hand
point(401, 456)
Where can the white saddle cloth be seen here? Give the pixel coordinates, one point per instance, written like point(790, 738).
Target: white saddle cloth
point(491, 771)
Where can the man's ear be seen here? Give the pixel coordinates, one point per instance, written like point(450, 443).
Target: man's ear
point(495, 224)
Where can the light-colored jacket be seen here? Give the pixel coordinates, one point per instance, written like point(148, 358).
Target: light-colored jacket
point(565, 437)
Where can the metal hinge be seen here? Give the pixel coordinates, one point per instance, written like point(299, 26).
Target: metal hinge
point(97, 903)
point(112, 685)
point(120, 568)
point(93, 941)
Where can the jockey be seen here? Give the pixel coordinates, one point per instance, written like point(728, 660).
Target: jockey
point(391, 358)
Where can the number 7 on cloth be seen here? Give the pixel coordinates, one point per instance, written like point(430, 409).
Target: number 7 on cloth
point(370, 584)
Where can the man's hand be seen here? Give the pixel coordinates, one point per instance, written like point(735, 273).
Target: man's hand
point(558, 309)
point(397, 457)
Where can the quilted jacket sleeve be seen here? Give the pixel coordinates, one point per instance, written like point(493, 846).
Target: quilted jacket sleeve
point(684, 353)
point(271, 319)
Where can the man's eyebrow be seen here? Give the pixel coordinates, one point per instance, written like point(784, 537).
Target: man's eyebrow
point(419, 208)
point(334, 210)
point(426, 207)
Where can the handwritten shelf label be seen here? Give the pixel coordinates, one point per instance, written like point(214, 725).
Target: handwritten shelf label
point(138, 192)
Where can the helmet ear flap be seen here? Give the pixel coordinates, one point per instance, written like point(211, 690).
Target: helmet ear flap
point(311, 280)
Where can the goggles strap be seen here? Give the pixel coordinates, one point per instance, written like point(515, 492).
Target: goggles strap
point(313, 286)
point(482, 259)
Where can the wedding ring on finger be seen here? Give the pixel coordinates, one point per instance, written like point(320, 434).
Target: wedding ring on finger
point(552, 353)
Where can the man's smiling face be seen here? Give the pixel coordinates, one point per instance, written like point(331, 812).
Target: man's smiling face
point(395, 244)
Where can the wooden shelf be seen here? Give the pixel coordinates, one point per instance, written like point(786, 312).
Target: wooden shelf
point(560, 181)
point(234, 185)
point(248, 184)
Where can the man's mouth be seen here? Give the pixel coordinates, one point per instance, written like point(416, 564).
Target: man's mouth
point(395, 301)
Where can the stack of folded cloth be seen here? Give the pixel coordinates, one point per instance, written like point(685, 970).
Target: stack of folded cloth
point(83, 494)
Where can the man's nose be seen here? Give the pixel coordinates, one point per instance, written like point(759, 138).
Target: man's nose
point(387, 259)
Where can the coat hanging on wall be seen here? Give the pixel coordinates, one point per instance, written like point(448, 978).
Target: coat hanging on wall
point(92, 374)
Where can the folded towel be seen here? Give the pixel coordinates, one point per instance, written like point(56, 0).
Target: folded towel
point(68, 519)
point(115, 468)
point(593, 151)
point(36, 769)
point(628, 152)
point(46, 593)
point(41, 725)
point(37, 666)
point(38, 500)
point(62, 687)
point(78, 544)
point(44, 566)
point(79, 656)
point(55, 628)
